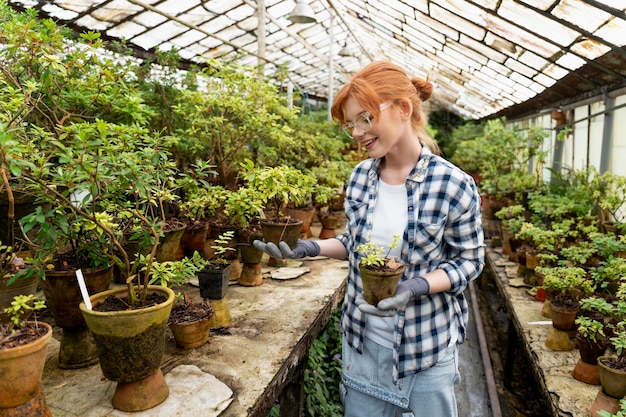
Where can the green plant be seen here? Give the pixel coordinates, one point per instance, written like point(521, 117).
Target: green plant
point(21, 306)
point(590, 329)
point(244, 206)
point(220, 248)
point(374, 255)
point(278, 186)
point(174, 273)
point(620, 413)
point(13, 266)
point(568, 284)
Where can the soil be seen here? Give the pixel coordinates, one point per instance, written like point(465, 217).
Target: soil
point(190, 312)
point(27, 334)
point(112, 303)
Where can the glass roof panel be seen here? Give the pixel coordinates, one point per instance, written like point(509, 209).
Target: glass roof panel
point(483, 56)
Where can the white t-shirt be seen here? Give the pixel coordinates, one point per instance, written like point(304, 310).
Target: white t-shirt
point(390, 218)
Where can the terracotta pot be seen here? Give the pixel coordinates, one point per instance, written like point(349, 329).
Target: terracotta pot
point(563, 317)
point(277, 231)
point(131, 344)
point(63, 297)
point(378, 285)
point(191, 335)
point(306, 215)
point(193, 238)
point(7, 292)
point(21, 368)
point(330, 222)
point(586, 369)
point(613, 381)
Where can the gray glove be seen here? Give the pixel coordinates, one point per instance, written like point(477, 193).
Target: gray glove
point(283, 251)
point(389, 306)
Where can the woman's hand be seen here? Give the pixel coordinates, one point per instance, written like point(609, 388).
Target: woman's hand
point(389, 306)
point(283, 251)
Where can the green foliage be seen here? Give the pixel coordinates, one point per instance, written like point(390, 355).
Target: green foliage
point(173, 273)
point(509, 161)
point(323, 373)
point(21, 307)
point(280, 185)
point(372, 254)
point(590, 329)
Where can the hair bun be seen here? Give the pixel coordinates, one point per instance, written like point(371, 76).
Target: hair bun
point(424, 88)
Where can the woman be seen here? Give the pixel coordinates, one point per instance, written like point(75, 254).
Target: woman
point(400, 357)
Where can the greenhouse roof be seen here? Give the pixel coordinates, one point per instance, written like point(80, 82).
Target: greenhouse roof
point(486, 57)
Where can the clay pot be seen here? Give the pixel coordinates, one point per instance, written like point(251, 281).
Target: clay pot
point(378, 285)
point(20, 287)
point(63, 297)
point(21, 368)
point(191, 335)
point(131, 344)
point(330, 222)
point(306, 215)
point(276, 231)
point(613, 381)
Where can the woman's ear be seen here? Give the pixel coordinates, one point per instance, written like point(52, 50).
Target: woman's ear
point(406, 109)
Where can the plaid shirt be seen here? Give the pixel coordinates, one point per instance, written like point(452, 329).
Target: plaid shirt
point(444, 231)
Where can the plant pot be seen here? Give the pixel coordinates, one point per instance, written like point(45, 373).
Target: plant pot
point(330, 222)
point(63, 297)
point(20, 287)
point(563, 317)
point(281, 231)
point(603, 402)
point(191, 335)
point(613, 381)
point(214, 282)
point(306, 215)
point(378, 285)
point(586, 369)
point(21, 368)
point(193, 238)
point(251, 257)
point(167, 250)
point(130, 344)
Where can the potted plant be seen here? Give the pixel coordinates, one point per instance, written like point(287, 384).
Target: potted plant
point(23, 351)
point(189, 321)
point(15, 278)
point(213, 280)
point(565, 286)
point(380, 274)
point(609, 191)
point(245, 208)
point(592, 343)
point(196, 206)
point(278, 186)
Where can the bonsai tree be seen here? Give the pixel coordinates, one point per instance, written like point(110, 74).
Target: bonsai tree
point(21, 308)
point(374, 256)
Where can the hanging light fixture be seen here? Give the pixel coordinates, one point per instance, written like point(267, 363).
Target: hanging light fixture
point(344, 51)
point(302, 13)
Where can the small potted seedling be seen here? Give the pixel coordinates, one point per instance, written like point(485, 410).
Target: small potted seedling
point(380, 273)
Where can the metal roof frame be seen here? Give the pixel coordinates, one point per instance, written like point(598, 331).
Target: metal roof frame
point(486, 58)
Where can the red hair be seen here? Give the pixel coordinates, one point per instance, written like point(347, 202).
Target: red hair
point(380, 82)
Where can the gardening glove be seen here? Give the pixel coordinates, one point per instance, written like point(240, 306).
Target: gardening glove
point(283, 251)
point(389, 306)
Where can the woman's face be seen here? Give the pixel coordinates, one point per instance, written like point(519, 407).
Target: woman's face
point(383, 133)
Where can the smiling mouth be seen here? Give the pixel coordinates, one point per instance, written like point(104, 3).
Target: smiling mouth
point(368, 142)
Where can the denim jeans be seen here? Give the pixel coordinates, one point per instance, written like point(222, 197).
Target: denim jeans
point(368, 388)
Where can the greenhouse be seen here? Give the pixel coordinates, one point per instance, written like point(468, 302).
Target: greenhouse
point(314, 208)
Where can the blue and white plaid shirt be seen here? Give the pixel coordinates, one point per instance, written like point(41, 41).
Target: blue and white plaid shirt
point(444, 231)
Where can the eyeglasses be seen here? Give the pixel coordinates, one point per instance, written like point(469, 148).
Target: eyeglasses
point(363, 121)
